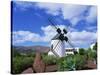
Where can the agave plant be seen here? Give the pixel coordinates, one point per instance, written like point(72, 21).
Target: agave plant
point(66, 64)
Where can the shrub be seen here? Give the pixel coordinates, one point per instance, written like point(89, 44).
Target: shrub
point(95, 47)
point(81, 51)
point(31, 54)
point(91, 54)
point(21, 63)
point(66, 63)
point(71, 62)
point(80, 61)
point(49, 60)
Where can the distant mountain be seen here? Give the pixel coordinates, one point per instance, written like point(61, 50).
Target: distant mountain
point(28, 49)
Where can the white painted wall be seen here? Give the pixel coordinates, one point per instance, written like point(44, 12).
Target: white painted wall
point(50, 53)
point(60, 49)
point(69, 53)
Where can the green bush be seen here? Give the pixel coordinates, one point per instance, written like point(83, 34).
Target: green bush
point(92, 54)
point(95, 47)
point(71, 62)
point(66, 64)
point(81, 51)
point(31, 54)
point(49, 60)
point(21, 63)
point(80, 61)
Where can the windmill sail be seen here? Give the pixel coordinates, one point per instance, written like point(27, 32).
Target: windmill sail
point(58, 40)
point(49, 19)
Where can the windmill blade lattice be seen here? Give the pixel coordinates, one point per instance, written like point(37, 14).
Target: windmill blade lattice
point(50, 20)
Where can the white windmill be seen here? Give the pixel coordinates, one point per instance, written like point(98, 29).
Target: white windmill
point(58, 42)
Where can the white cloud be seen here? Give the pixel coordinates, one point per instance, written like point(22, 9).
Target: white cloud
point(68, 11)
point(91, 28)
point(83, 35)
point(74, 13)
point(92, 14)
point(71, 11)
point(77, 38)
point(50, 31)
point(50, 8)
point(24, 36)
point(84, 38)
point(22, 5)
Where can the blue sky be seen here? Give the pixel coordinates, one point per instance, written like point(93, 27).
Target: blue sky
point(31, 27)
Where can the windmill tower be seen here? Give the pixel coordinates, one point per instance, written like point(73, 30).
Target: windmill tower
point(58, 46)
point(58, 42)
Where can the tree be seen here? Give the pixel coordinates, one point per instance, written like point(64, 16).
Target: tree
point(81, 51)
point(91, 54)
point(95, 46)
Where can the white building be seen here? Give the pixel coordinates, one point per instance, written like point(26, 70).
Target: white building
point(71, 50)
point(50, 53)
point(67, 51)
point(92, 45)
point(57, 46)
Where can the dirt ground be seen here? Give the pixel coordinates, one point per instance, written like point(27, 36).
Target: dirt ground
point(53, 68)
point(49, 68)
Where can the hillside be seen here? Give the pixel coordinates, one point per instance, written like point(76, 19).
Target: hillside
point(29, 49)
